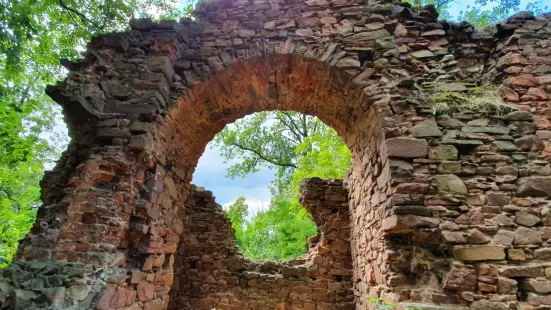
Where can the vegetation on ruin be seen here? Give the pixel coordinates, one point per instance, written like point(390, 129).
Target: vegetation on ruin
point(380, 304)
point(481, 100)
point(35, 34)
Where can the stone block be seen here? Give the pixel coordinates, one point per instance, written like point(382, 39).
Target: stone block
point(115, 89)
point(107, 295)
point(412, 188)
point(423, 54)
point(450, 167)
point(493, 130)
point(506, 146)
point(143, 142)
point(473, 217)
point(516, 255)
point(161, 64)
point(504, 237)
point(363, 38)
point(146, 291)
point(460, 279)
point(529, 143)
point(497, 198)
point(407, 147)
point(142, 127)
point(488, 305)
point(110, 133)
point(539, 285)
point(542, 254)
point(527, 236)
point(521, 81)
point(479, 252)
point(171, 187)
point(503, 220)
point(477, 237)
point(519, 116)
point(534, 187)
point(443, 152)
point(507, 286)
point(416, 210)
point(450, 184)
point(453, 237)
point(536, 300)
point(428, 128)
point(526, 271)
point(408, 221)
point(527, 219)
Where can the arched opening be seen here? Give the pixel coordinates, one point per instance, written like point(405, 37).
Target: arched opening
point(209, 270)
point(255, 166)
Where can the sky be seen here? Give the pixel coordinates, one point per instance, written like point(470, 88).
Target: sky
point(211, 170)
point(211, 174)
point(460, 5)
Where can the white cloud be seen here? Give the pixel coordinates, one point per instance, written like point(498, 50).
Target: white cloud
point(211, 174)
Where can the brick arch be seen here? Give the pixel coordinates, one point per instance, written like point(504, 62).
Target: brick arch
point(282, 82)
point(272, 82)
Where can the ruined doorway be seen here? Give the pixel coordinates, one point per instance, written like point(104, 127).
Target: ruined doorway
point(256, 85)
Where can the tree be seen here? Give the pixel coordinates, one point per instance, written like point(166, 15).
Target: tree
point(281, 232)
point(296, 146)
point(266, 139)
point(281, 141)
point(487, 12)
point(482, 12)
point(34, 36)
point(237, 213)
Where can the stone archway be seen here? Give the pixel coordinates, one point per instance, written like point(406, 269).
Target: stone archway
point(450, 210)
point(286, 82)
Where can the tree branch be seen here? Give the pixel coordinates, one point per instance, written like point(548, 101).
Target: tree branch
point(82, 16)
point(26, 92)
point(10, 197)
point(304, 127)
point(291, 139)
point(294, 125)
point(271, 161)
point(315, 129)
point(442, 3)
point(291, 128)
point(105, 20)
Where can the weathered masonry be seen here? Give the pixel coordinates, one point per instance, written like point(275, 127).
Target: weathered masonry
point(449, 209)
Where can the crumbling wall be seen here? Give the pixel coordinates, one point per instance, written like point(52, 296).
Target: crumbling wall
point(445, 208)
point(211, 273)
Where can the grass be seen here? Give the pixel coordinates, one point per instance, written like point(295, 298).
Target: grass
point(380, 304)
point(481, 100)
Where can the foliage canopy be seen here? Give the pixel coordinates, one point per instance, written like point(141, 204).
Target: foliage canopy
point(34, 36)
point(296, 146)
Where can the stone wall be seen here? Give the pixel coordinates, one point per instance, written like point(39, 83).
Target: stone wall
point(445, 208)
point(210, 271)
